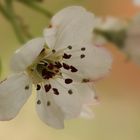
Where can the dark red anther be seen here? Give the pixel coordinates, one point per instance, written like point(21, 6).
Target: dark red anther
point(55, 91)
point(47, 88)
point(44, 72)
point(38, 87)
point(70, 47)
point(48, 103)
point(67, 56)
point(58, 64)
point(70, 91)
point(85, 80)
point(68, 81)
point(82, 56)
point(73, 69)
point(47, 74)
point(38, 102)
point(50, 66)
point(66, 66)
point(53, 51)
point(83, 49)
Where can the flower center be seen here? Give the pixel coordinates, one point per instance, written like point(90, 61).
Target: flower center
point(46, 66)
point(52, 64)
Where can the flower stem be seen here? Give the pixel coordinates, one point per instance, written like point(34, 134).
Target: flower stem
point(36, 7)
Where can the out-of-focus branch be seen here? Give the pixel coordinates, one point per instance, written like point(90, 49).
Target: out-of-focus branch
point(116, 37)
point(20, 28)
point(24, 27)
point(32, 4)
point(8, 13)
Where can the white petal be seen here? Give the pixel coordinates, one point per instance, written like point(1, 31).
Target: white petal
point(50, 36)
point(136, 2)
point(66, 15)
point(74, 26)
point(87, 113)
point(71, 104)
point(95, 65)
point(112, 23)
point(86, 92)
point(25, 56)
point(132, 42)
point(133, 28)
point(50, 114)
point(14, 92)
point(132, 48)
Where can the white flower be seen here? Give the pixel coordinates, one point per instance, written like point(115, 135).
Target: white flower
point(125, 35)
point(136, 2)
point(108, 29)
point(111, 23)
point(62, 67)
point(132, 40)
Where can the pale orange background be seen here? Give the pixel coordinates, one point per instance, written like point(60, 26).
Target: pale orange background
point(118, 115)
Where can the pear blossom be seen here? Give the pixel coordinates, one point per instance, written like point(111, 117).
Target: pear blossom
point(132, 41)
point(62, 66)
point(136, 2)
point(111, 23)
point(111, 29)
point(124, 34)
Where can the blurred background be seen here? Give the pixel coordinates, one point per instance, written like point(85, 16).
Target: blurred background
point(117, 117)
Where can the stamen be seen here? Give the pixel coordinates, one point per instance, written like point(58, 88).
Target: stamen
point(42, 50)
point(82, 56)
point(73, 69)
point(44, 72)
point(50, 26)
point(38, 102)
point(69, 47)
point(83, 49)
point(66, 66)
point(68, 81)
point(38, 87)
point(50, 66)
point(55, 91)
point(85, 80)
point(70, 91)
point(53, 51)
point(67, 56)
point(56, 71)
point(45, 64)
point(27, 87)
point(48, 103)
point(47, 87)
point(47, 74)
point(58, 64)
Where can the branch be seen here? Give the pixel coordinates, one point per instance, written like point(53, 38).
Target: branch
point(8, 13)
point(36, 7)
